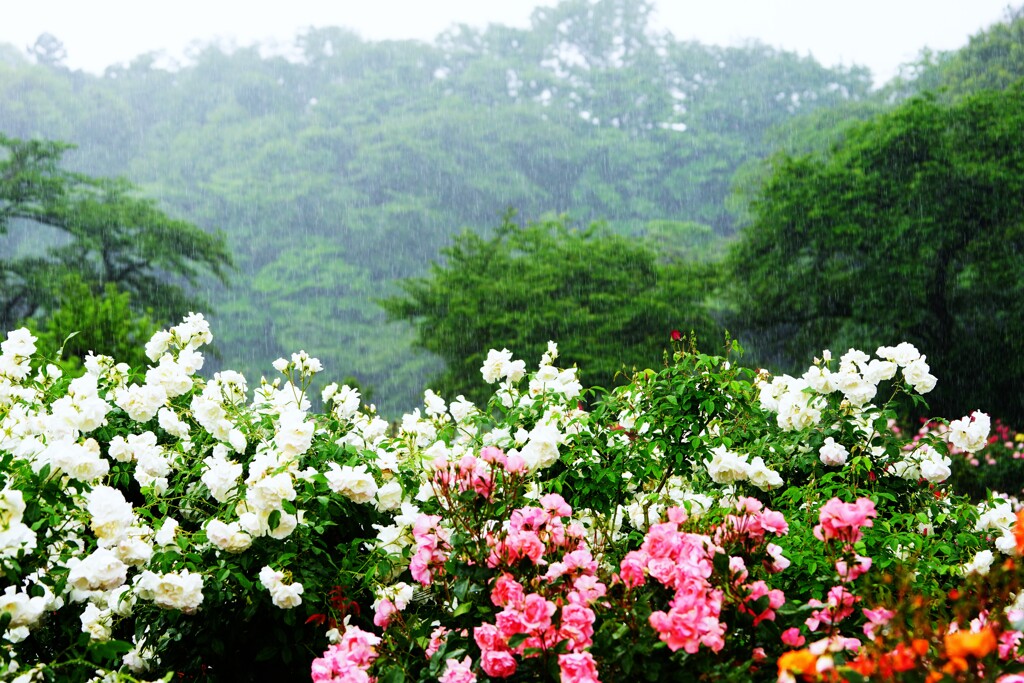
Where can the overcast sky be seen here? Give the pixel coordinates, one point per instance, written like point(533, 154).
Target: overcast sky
point(880, 34)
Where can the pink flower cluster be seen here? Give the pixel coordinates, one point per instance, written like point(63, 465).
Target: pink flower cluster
point(746, 531)
point(838, 606)
point(682, 562)
point(876, 618)
point(533, 532)
point(473, 473)
point(844, 521)
point(578, 667)
point(758, 590)
point(749, 524)
point(556, 608)
point(544, 622)
point(432, 548)
point(349, 660)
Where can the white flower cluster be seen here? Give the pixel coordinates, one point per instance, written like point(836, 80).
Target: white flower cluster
point(970, 433)
point(924, 462)
point(499, 365)
point(355, 483)
point(284, 595)
point(647, 508)
point(727, 467)
point(550, 378)
point(540, 449)
point(301, 362)
point(798, 402)
point(346, 401)
point(16, 355)
point(182, 590)
point(15, 535)
point(997, 516)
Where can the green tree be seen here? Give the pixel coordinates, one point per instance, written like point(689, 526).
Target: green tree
point(602, 297)
point(97, 230)
point(992, 60)
point(910, 229)
point(89, 322)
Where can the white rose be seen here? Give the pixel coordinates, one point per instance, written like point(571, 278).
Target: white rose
point(936, 468)
point(352, 482)
point(980, 563)
point(175, 590)
point(96, 622)
point(141, 402)
point(762, 477)
point(101, 570)
point(389, 496)
point(111, 513)
point(165, 537)
point(970, 433)
point(228, 537)
point(726, 467)
point(833, 454)
point(917, 374)
point(287, 596)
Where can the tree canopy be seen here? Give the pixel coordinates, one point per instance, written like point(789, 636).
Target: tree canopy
point(603, 298)
point(910, 229)
point(68, 230)
point(338, 173)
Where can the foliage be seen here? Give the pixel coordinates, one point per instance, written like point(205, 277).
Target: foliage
point(909, 228)
point(101, 234)
point(604, 296)
point(85, 323)
point(993, 59)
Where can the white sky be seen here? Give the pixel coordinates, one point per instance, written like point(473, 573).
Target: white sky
point(880, 34)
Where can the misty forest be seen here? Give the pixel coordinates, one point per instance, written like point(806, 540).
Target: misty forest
point(396, 209)
point(670, 185)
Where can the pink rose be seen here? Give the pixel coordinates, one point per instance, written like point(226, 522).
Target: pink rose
point(488, 638)
point(631, 569)
point(506, 591)
point(383, 612)
point(556, 505)
point(498, 664)
point(792, 637)
point(578, 667)
point(493, 455)
point(515, 464)
point(537, 613)
point(843, 521)
point(458, 672)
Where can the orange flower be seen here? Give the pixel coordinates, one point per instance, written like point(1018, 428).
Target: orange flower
point(963, 643)
point(902, 658)
point(798, 662)
point(955, 665)
point(920, 646)
point(863, 664)
point(1018, 532)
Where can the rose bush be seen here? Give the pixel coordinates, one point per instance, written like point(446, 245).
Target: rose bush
point(702, 521)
